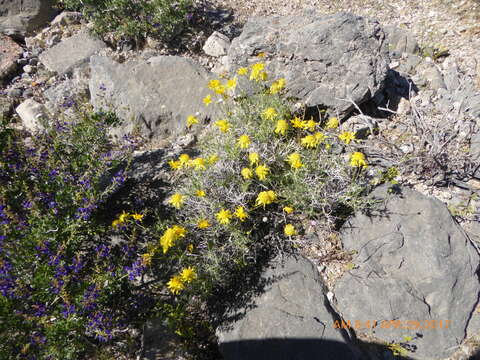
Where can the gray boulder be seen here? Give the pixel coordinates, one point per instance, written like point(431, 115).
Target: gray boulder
point(400, 41)
point(326, 60)
point(10, 52)
point(71, 52)
point(20, 17)
point(288, 320)
point(414, 264)
point(155, 97)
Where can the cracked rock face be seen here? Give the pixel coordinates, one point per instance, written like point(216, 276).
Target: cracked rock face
point(323, 58)
point(288, 320)
point(155, 98)
point(413, 263)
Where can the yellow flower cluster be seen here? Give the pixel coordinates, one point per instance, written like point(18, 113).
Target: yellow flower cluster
point(282, 127)
point(257, 72)
point(332, 123)
point(244, 141)
point(262, 171)
point(295, 160)
point(123, 217)
point(289, 230)
point(254, 158)
point(312, 141)
point(270, 113)
point(203, 224)
point(277, 86)
point(170, 236)
point(177, 282)
point(223, 125)
point(220, 88)
point(265, 198)
point(224, 216)
point(191, 120)
point(347, 136)
point(199, 163)
point(357, 159)
point(176, 200)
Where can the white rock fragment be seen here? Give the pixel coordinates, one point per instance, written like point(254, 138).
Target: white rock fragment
point(30, 113)
point(216, 45)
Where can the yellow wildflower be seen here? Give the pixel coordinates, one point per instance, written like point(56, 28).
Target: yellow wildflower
point(220, 90)
point(240, 213)
point(261, 55)
point(282, 127)
point(277, 86)
point(224, 216)
point(297, 123)
point(231, 83)
point(333, 123)
point(199, 163)
point(203, 224)
point(357, 159)
point(288, 209)
point(347, 136)
point(184, 159)
point(116, 223)
point(123, 217)
point(289, 230)
point(200, 193)
point(191, 120)
point(320, 137)
point(265, 198)
point(242, 71)
point(262, 171)
point(213, 84)
point(137, 217)
point(247, 173)
point(176, 200)
point(257, 72)
point(207, 100)
point(270, 113)
point(174, 165)
point(223, 125)
point(190, 248)
point(244, 141)
point(295, 160)
point(170, 236)
point(175, 285)
point(309, 141)
point(147, 259)
point(188, 274)
point(309, 125)
point(254, 158)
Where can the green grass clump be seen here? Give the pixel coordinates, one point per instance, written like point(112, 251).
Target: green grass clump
point(136, 19)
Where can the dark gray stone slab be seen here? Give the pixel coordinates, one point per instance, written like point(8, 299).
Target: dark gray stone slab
point(414, 263)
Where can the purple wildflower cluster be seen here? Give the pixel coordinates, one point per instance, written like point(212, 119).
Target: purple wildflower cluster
point(50, 190)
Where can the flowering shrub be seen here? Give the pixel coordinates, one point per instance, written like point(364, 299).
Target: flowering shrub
point(262, 171)
point(61, 278)
point(134, 19)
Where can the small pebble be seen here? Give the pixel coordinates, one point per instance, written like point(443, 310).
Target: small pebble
point(28, 69)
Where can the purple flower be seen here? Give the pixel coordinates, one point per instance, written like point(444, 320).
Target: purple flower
point(53, 173)
point(135, 270)
point(39, 309)
point(27, 204)
point(102, 87)
point(68, 309)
